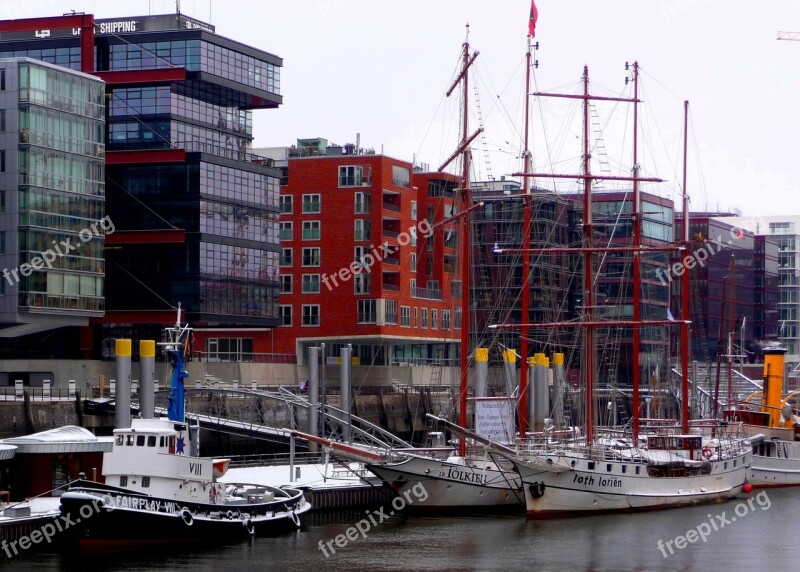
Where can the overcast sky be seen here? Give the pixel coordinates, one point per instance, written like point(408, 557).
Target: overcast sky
point(380, 68)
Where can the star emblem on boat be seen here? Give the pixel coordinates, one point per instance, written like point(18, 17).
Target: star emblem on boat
point(180, 445)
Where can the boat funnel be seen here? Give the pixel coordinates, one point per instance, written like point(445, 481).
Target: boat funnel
point(773, 384)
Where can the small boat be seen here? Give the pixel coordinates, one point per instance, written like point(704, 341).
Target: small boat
point(774, 430)
point(155, 490)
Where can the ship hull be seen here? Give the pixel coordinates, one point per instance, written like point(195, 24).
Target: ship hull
point(99, 514)
point(613, 486)
point(452, 486)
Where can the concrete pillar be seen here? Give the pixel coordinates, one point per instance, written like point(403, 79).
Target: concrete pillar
point(510, 361)
point(123, 398)
point(558, 390)
point(481, 371)
point(346, 390)
point(532, 393)
point(313, 395)
point(147, 374)
point(538, 391)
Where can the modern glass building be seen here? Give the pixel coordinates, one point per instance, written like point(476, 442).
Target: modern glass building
point(52, 197)
point(195, 212)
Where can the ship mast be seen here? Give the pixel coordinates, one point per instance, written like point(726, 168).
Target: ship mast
point(637, 270)
point(588, 280)
point(526, 259)
point(685, 286)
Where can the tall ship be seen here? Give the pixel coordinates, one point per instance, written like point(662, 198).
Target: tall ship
point(157, 489)
point(655, 465)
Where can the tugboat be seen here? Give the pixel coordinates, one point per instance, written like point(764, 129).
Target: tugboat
point(156, 490)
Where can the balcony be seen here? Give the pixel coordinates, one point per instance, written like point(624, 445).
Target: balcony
point(426, 293)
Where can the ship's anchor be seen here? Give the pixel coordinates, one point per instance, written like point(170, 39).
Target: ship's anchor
point(537, 490)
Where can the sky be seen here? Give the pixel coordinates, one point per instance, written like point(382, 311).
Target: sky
point(380, 69)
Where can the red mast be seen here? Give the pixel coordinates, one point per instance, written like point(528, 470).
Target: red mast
point(637, 271)
point(526, 233)
point(685, 286)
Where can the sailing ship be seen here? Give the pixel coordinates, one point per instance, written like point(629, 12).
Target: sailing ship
point(774, 430)
point(157, 490)
point(462, 480)
point(665, 466)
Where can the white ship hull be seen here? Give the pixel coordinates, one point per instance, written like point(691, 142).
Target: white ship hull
point(776, 464)
point(615, 486)
point(452, 485)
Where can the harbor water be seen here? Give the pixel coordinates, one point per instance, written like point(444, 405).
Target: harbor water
point(759, 534)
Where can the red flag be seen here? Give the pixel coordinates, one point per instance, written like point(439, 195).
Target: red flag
point(532, 21)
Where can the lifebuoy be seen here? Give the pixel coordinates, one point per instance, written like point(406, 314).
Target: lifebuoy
point(230, 515)
point(537, 490)
point(295, 518)
point(707, 452)
point(187, 517)
point(248, 525)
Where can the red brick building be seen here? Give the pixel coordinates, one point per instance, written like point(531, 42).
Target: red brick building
point(366, 258)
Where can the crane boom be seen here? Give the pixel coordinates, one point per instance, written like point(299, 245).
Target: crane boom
point(789, 36)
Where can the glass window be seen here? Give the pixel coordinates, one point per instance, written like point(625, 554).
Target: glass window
point(311, 230)
point(362, 205)
point(367, 311)
point(286, 284)
point(351, 176)
point(311, 256)
point(286, 257)
point(405, 316)
point(310, 283)
point(285, 313)
point(285, 231)
point(361, 283)
point(311, 204)
point(286, 204)
point(362, 229)
point(311, 314)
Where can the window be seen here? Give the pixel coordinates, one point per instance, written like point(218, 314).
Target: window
point(286, 204)
point(2, 201)
point(391, 311)
point(367, 311)
point(401, 176)
point(362, 227)
point(286, 283)
point(285, 313)
point(151, 440)
point(229, 349)
point(140, 440)
point(145, 482)
point(129, 441)
point(416, 317)
point(359, 254)
point(310, 283)
point(413, 210)
point(413, 283)
point(285, 230)
point(311, 230)
point(405, 316)
point(424, 318)
point(413, 232)
point(311, 256)
point(361, 283)
point(413, 262)
point(351, 176)
point(2, 119)
point(311, 204)
point(2, 161)
point(457, 314)
point(286, 257)
point(362, 203)
point(311, 314)
point(123, 481)
point(2, 242)
point(435, 319)
point(445, 319)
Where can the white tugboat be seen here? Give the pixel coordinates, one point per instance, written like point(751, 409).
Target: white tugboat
point(156, 491)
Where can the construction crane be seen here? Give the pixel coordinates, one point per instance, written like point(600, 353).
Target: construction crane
point(789, 36)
